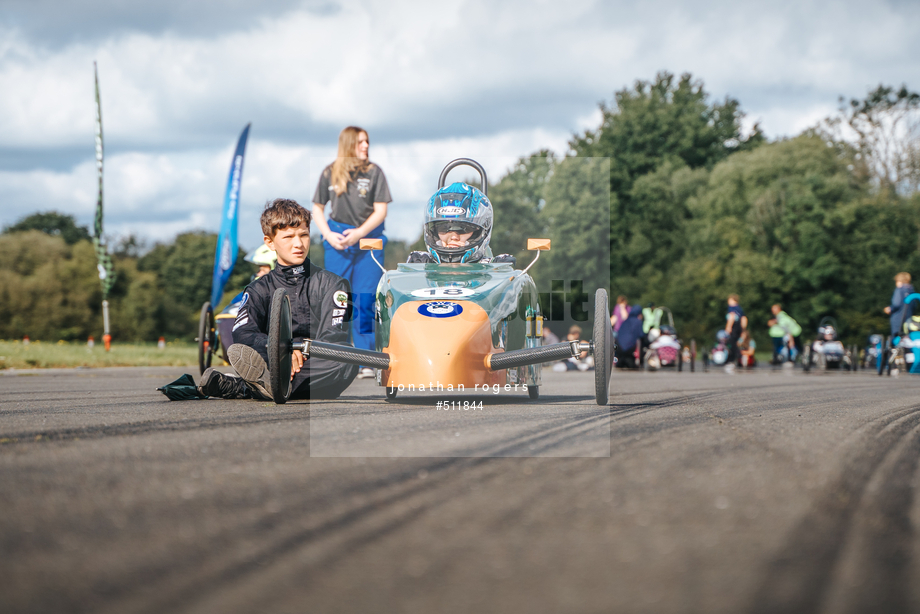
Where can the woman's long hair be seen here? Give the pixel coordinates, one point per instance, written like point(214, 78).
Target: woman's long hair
point(346, 163)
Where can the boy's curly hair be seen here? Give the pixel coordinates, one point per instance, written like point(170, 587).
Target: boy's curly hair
point(283, 213)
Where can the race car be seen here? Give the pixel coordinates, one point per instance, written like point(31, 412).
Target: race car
point(456, 319)
point(827, 352)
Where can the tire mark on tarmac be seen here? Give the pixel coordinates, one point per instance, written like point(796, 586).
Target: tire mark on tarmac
point(870, 524)
point(208, 573)
point(146, 427)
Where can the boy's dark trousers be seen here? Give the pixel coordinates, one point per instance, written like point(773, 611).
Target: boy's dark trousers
point(322, 379)
point(319, 378)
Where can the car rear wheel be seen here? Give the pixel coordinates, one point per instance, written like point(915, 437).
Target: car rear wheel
point(206, 336)
point(279, 346)
point(603, 347)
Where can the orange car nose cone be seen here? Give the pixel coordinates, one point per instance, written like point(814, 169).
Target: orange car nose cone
point(440, 342)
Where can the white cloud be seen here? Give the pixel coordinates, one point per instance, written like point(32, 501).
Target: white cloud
point(159, 195)
point(429, 81)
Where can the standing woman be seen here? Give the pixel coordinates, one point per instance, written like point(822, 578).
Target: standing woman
point(358, 193)
point(620, 313)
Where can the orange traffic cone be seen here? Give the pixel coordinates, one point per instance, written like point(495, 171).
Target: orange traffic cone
point(90, 343)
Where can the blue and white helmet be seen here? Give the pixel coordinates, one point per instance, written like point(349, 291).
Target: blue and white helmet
point(463, 209)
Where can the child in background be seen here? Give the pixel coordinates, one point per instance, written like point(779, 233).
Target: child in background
point(573, 364)
point(746, 348)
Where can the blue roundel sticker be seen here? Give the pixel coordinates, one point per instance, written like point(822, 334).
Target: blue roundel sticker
point(440, 309)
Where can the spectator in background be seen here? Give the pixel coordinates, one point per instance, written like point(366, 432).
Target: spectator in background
point(735, 324)
point(358, 193)
point(898, 310)
point(620, 313)
point(574, 364)
point(746, 349)
point(651, 317)
point(549, 337)
point(781, 325)
point(629, 335)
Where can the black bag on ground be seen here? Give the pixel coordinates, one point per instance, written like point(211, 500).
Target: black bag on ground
point(183, 389)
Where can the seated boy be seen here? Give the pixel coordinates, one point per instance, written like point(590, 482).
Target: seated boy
point(320, 310)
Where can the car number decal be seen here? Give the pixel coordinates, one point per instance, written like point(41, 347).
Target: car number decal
point(440, 309)
point(443, 293)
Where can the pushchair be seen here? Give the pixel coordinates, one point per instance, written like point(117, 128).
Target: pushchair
point(665, 348)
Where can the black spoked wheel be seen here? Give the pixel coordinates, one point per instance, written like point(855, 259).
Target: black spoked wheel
point(806, 358)
point(279, 346)
point(207, 337)
point(603, 347)
point(692, 355)
point(534, 391)
point(680, 361)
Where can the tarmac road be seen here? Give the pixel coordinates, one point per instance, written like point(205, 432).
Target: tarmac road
point(705, 492)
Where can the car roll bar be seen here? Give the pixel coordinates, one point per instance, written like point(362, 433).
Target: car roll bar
point(465, 162)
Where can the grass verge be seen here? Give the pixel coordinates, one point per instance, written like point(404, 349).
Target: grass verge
point(44, 355)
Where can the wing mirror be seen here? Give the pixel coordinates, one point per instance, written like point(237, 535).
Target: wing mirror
point(372, 244)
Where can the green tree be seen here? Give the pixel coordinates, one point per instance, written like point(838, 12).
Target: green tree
point(184, 269)
point(518, 199)
point(886, 125)
point(48, 289)
point(658, 126)
point(773, 225)
point(576, 216)
point(54, 224)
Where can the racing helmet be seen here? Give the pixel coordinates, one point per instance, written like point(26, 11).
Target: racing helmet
point(462, 209)
point(262, 256)
point(653, 335)
point(722, 336)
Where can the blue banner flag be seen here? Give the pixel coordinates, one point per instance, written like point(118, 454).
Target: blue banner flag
point(225, 257)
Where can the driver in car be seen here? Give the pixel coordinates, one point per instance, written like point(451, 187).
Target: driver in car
point(458, 227)
point(320, 309)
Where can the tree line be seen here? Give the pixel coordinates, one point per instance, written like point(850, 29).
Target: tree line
point(668, 201)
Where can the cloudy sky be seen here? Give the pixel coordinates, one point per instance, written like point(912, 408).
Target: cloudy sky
point(430, 81)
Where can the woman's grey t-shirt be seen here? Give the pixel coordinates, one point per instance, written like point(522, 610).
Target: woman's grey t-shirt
point(357, 203)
